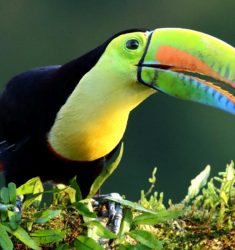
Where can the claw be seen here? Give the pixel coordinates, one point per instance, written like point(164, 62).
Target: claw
point(116, 222)
point(114, 210)
point(19, 202)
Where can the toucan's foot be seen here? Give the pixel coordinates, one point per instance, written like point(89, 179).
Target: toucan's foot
point(19, 202)
point(114, 210)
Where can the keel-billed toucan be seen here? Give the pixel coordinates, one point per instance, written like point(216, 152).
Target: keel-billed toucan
point(57, 122)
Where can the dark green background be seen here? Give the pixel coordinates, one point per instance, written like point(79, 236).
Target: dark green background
point(178, 137)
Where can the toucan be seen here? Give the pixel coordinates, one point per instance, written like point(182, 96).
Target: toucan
point(67, 120)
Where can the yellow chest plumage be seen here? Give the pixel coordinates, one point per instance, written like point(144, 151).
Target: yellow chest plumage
point(93, 120)
point(90, 134)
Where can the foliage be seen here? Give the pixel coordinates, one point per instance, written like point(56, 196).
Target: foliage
point(203, 220)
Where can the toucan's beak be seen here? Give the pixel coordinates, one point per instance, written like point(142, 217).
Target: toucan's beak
point(189, 65)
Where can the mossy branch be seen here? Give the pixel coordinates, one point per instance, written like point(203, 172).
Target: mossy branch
point(203, 220)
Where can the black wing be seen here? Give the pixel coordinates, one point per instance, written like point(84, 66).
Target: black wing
point(26, 105)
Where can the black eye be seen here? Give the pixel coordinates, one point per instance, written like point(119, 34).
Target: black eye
point(132, 44)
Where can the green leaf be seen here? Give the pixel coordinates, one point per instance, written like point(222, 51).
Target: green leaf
point(101, 230)
point(123, 247)
point(86, 243)
point(63, 247)
point(5, 241)
point(3, 216)
point(24, 237)
point(4, 194)
point(138, 246)
point(130, 204)
point(5, 207)
point(14, 218)
point(161, 216)
point(48, 236)
point(46, 215)
point(146, 238)
point(224, 197)
point(105, 174)
point(73, 183)
point(126, 221)
point(32, 199)
point(84, 210)
point(32, 186)
point(197, 183)
point(66, 195)
point(12, 192)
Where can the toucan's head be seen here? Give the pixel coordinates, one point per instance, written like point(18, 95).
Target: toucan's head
point(182, 63)
point(115, 74)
